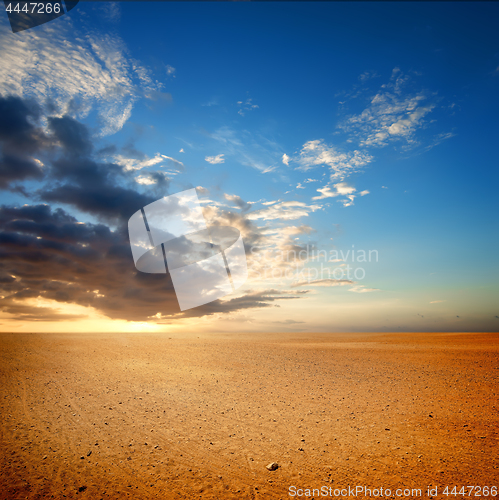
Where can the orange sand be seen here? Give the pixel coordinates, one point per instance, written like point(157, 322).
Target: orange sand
point(142, 416)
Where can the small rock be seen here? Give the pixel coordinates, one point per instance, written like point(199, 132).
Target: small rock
point(89, 453)
point(82, 457)
point(44, 458)
point(82, 488)
point(273, 466)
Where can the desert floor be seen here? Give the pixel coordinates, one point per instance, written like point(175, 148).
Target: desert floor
point(141, 416)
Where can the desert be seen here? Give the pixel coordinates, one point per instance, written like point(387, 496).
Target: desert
point(160, 416)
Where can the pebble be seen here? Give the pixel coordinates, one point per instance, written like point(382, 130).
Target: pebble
point(273, 466)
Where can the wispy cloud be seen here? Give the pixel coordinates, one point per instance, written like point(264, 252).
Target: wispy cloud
point(238, 201)
point(392, 114)
point(252, 151)
point(323, 282)
point(341, 189)
point(215, 159)
point(341, 164)
point(74, 72)
point(174, 162)
point(138, 164)
point(363, 289)
point(287, 210)
point(171, 71)
point(112, 11)
point(246, 106)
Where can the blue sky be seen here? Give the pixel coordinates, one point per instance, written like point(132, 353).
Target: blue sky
point(327, 124)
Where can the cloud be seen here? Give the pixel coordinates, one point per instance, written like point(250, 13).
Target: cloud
point(363, 193)
point(173, 161)
point(246, 106)
point(285, 159)
point(259, 153)
point(211, 102)
point(72, 72)
point(51, 263)
point(367, 75)
point(170, 71)
point(439, 138)
point(215, 159)
point(251, 300)
point(56, 258)
point(47, 255)
point(286, 210)
point(237, 200)
point(363, 289)
point(112, 11)
point(392, 115)
point(157, 179)
point(437, 301)
point(73, 175)
point(323, 282)
point(21, 139)
point(340, 189)
point(341, 164)
point(138, 164)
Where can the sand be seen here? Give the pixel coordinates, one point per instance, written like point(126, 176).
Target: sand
point(201, 416)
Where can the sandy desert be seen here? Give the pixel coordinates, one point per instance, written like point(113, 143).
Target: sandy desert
point(160, 416)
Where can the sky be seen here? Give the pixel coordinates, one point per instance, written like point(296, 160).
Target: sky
point(353, 145)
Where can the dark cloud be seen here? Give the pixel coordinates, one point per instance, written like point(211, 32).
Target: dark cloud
point(131, 151)
point(263, 298)
point(107, 150)
point(101, 199)
point(47, 253)
point(73, 136)
point(21, 312)
point(16, 168)
point(18, 130)
point(20, 138)
point(161, 181)
point(100, 188)
point(74, 176)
